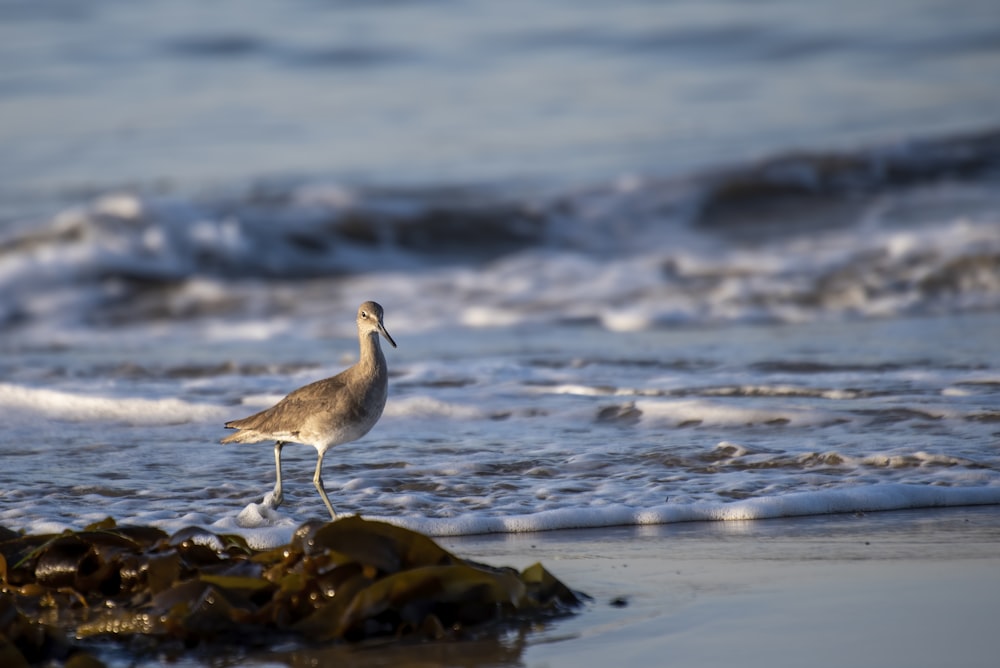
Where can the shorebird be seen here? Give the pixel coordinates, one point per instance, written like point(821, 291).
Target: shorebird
point(330, 411)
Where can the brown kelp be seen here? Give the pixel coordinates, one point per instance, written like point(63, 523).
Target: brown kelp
point(347, 580)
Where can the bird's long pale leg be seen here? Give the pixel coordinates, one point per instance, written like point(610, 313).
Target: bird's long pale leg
point(277, 467)
point(318, 481)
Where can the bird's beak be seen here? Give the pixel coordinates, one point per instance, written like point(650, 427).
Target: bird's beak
point(385, 333)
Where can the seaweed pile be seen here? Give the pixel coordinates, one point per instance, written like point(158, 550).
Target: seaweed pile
point(349, 580)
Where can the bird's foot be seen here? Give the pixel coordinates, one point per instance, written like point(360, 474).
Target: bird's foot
point(272, 499)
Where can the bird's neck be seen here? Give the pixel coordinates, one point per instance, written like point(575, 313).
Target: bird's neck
point(372, 360)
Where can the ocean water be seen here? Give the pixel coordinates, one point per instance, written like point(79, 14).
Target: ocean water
point(645, 262)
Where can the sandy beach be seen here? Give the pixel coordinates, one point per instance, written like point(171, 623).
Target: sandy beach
point(907, 588)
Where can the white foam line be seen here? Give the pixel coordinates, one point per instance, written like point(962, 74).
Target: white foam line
point(264, 527)
point(861, 499)
point(16, 399)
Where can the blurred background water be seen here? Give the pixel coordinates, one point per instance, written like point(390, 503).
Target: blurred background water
point(112, 93)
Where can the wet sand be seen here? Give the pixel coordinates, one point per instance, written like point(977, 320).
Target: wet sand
point(907, 588)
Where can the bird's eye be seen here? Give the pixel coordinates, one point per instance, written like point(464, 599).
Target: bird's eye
point(364, 315)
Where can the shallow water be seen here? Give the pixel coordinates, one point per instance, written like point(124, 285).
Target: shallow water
point(517, 429)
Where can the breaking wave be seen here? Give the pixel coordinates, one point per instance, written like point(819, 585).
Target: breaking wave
point(903, 228)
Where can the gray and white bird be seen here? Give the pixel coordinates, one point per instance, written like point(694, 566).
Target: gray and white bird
point(328, 412)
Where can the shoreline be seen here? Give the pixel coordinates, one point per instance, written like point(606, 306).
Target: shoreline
point(901, 588)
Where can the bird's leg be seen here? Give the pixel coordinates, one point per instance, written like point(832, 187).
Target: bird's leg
point(277, 467)
point(318, 481)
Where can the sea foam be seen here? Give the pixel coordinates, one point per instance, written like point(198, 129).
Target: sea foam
point(19, 403)
point(862, 499)
point(271, 529)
